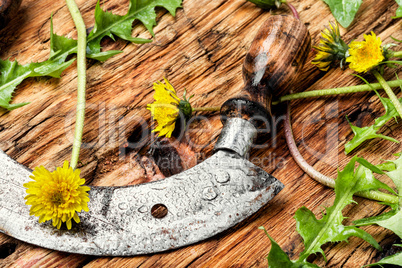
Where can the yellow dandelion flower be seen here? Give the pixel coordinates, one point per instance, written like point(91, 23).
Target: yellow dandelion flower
point(323, 60)
point(365, 55)
point(166, 108)
point(330, 49)
point(57, 195)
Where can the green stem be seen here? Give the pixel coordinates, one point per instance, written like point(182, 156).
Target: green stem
point(379, 196)
point(207, 109)
point(397, 54)
point(81, 79)
point(389, 92)
point(336, 91)
point(400, 202)
point(96, 35)
point(319, 177)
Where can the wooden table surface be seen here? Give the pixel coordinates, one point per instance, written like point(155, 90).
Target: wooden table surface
point(202, 50)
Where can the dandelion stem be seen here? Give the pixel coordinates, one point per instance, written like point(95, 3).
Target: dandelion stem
point(294, 10)
point(81, 79)
point(336, 91)
point(319, 177)
point(397, 54)
point(207, 109)
point(389, 92)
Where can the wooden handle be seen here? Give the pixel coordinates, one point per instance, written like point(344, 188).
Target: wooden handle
point(274, 60)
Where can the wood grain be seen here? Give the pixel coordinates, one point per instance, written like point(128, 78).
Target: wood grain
point(202, 49)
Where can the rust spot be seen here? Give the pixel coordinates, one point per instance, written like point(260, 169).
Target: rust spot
point(164, 231)
point(258, 197)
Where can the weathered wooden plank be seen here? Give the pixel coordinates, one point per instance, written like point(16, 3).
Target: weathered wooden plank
point(202, 50)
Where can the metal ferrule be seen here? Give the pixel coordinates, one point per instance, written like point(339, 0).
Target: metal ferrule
point(237, 135)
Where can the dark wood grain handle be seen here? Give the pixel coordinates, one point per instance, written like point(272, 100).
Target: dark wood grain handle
point(275, 58)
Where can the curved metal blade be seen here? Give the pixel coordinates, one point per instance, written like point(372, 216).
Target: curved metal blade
point(202, 201)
